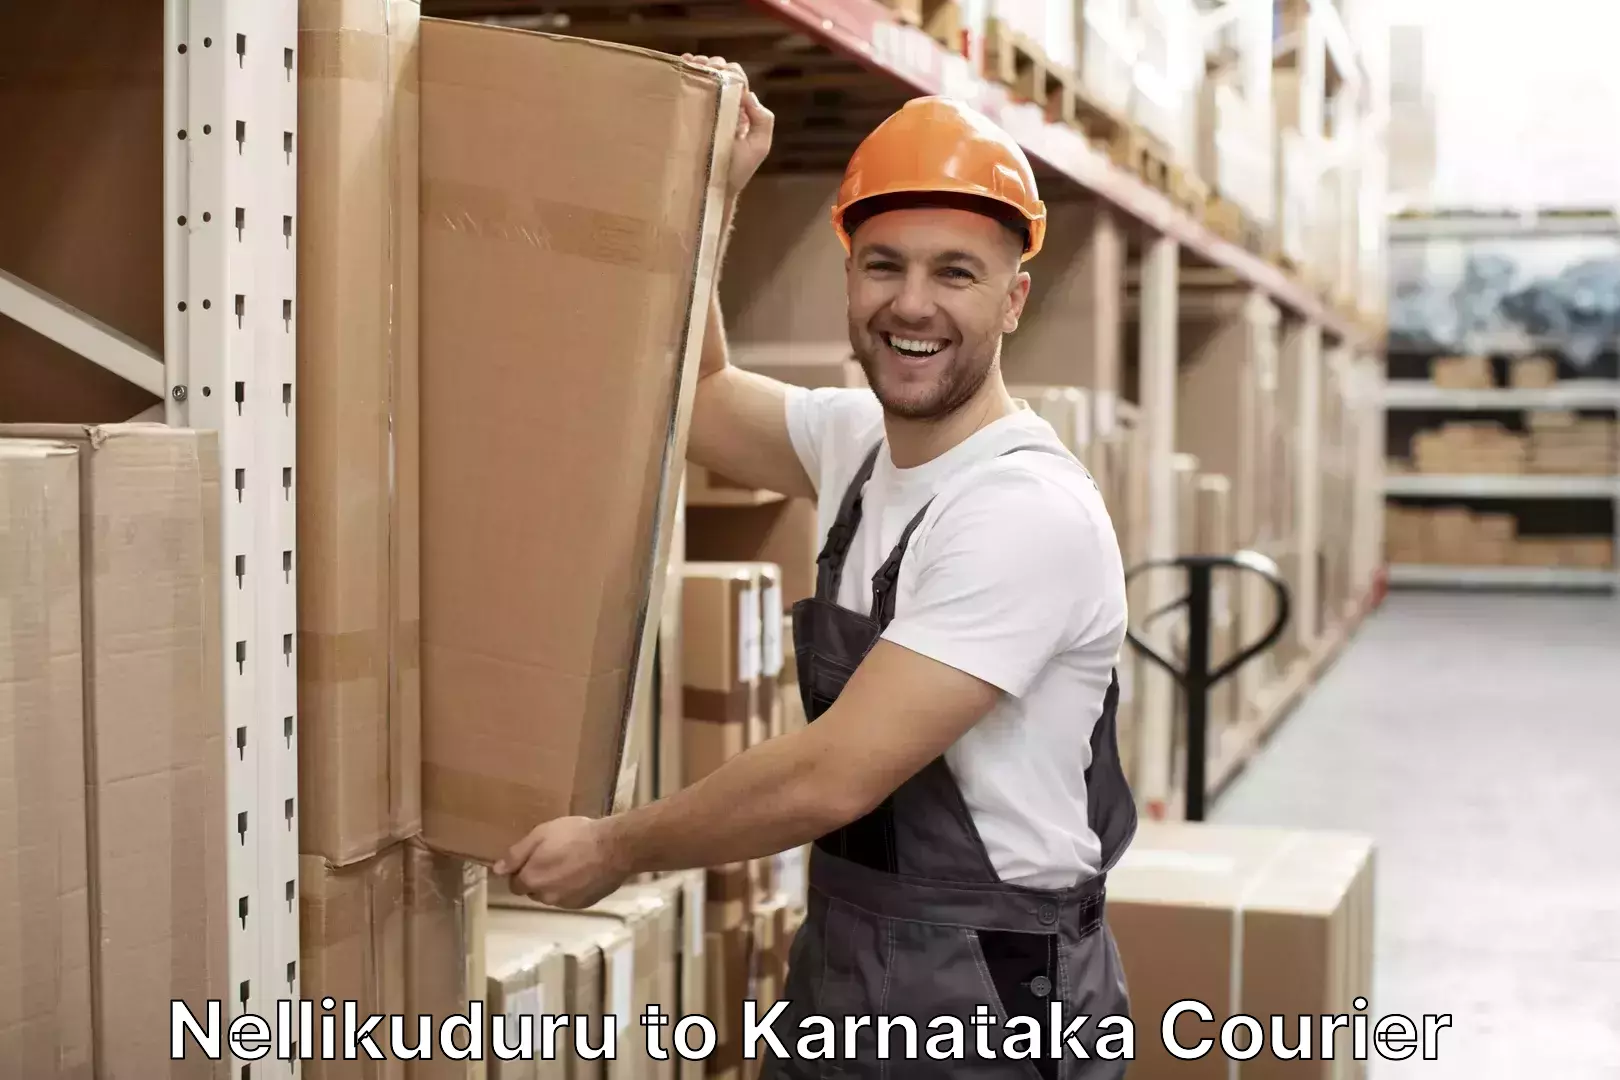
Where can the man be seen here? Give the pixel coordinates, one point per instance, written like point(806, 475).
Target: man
point(960, 776)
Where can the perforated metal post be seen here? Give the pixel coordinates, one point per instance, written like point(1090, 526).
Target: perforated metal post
point(231, 110)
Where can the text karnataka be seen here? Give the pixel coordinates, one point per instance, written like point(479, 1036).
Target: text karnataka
point(334, 1030)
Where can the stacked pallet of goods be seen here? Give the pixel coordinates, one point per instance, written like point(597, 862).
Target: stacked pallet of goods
point(1236, 129)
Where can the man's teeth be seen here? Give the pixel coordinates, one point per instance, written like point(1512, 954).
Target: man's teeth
point(911, 345)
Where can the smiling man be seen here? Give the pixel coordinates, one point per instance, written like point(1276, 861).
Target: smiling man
point(960, 776)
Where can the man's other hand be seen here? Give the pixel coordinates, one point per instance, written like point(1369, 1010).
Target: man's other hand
point(566, 863)
point(755, 124)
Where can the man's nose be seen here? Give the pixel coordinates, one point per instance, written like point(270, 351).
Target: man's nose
point(915, 300)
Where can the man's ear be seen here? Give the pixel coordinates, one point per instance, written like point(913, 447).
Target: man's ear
point(1017, 297)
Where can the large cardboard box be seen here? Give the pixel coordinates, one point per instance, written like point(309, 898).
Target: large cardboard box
point(1246, 920)
point(359, 685)
point(445, 900)
point(352, 946)
point(45, 1020)
point(155, 749)
point(570, 210)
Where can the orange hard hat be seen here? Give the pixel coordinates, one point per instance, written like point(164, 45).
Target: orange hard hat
point(935, 145)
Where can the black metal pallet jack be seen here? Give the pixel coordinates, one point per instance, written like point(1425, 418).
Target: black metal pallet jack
point(1196, 679)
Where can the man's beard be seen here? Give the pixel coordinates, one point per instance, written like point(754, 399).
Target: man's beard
point(953, 388)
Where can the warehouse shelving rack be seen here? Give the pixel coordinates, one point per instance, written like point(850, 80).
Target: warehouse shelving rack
point(228, 357)
point(228, 365)
point(1589, 394)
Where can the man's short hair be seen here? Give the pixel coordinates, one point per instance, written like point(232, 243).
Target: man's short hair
point(1006, 216)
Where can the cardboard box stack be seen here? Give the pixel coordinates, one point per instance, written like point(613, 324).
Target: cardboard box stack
point(642, 946)
point(469, 668)
point(385, 920)
point(1255, 921)
point(1469, 447)
point(1533, 372)
point(1236, 148)
point(1460, 536)
point(1565, 444)
point(1462, 372)
point(111, 548)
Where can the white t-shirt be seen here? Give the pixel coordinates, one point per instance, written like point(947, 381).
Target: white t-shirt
point(1013, 576)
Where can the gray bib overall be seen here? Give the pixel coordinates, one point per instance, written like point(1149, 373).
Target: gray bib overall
point(907, 916)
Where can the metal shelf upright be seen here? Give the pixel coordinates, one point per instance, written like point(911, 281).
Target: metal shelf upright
point(230, 272)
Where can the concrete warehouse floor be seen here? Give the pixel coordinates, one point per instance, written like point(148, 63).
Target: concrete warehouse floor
point(1476, 737)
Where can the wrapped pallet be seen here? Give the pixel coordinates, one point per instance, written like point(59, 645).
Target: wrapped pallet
point(1167, 74)
point(1105, 52)
point(548, 508)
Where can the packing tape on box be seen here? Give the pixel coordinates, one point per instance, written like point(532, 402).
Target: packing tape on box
point(565, 228)
point(717, 706)
point(1235, 986)
point(488, 800)
point(332, 916)
point(345, 53)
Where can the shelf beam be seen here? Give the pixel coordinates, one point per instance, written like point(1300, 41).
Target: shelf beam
point(1502, 577)
point(1528, 486)
point(74, 330)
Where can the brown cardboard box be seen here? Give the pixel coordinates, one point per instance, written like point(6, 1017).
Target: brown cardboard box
point(720, 654)
point(598, 982)
point(445, 904)
point(359, 769)
point(1462, 372)
point(527, 981)
point(45, 1019)
point(729, 896)
point(352, 945)
point(1533, 372)
point(547, 507)
point(150, 535)
point(761, 632)
point(1246, 920)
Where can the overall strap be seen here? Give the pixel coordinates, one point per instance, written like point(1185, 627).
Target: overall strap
point(830, 563)
point(884, 581)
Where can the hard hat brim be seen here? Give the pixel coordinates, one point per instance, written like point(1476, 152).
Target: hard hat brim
point(1033, 218)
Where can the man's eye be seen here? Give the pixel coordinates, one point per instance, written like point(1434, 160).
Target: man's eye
point(958, 273)
point(882, 267)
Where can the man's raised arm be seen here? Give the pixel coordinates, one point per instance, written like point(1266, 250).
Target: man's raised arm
point(739, 418)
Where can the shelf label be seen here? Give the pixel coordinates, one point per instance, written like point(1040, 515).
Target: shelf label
point(771, 620)
point(749, 634)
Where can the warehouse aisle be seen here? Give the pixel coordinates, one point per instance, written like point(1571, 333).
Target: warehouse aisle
point(1477, 738)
